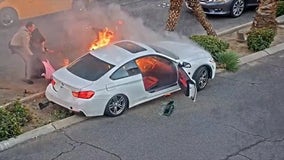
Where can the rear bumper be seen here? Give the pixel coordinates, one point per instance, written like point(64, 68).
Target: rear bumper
point(84, 106)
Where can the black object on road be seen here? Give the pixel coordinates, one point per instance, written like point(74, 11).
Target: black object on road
point(169, 108)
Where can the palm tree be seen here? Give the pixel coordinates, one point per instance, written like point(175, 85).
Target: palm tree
point(174, 13)
point(201, 17)
point(265, 16)
point(175, 10)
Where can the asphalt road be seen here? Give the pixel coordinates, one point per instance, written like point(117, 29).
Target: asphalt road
point(238, 116)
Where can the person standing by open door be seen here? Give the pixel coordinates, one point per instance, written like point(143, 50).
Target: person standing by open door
point(20, 44)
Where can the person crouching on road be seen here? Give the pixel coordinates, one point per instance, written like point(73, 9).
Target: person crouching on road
point(20, 44)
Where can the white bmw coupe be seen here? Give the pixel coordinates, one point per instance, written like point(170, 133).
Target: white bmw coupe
point(108, 80)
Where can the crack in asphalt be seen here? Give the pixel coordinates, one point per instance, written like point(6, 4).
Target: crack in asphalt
point(79, 143)
point(240, 81)
point(245, 132)
point(243, 149)
point(263, 139)
point(62, 153)
point(276, 141)
point(251, 146)
point(245, 156)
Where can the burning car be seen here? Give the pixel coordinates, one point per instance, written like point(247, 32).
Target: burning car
point(113, 78)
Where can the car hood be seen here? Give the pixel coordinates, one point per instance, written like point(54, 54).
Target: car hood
point(185, 51)
point(70, 79)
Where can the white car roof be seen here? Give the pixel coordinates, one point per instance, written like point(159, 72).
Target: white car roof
point(122, 51)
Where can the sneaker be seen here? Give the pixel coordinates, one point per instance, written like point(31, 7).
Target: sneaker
point(28, 81)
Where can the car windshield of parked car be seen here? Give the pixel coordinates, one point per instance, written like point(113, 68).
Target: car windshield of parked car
point(89, 67)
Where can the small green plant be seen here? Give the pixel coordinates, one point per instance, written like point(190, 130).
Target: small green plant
point(280, 8)
point(228, 60)
point(20, 112)
point(260, 39)
point(61, 113)
point(9, 126)
point(11, 120)
point(212, 44)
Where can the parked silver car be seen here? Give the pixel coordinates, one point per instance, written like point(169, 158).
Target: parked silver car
point(234, 8)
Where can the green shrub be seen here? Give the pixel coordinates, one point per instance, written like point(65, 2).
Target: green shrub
point(212, 44)
point(260, 39)
point(20, 112)
point(11, 120)
point(229, 60)
point(280, 9)
point(61, 113)
point(9, 126)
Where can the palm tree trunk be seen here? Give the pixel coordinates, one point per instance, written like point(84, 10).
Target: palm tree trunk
point(174, 14)
point(201, 17)
point(265, 16)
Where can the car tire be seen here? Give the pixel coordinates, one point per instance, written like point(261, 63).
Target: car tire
point(237, 8)
point(116, 105)
point(201, 77)
point(8, 17)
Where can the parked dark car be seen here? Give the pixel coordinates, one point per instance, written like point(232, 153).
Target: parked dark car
point(233, 8)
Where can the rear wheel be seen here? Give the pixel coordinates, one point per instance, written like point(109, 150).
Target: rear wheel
point(116, 105)
point(8, 17)
point(237, 8)
point(201, 77)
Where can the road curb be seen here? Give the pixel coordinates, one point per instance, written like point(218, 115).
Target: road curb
point(279, 19)
point(260, 54)
point(24, 99)
point(43, 130)
point(51, 127)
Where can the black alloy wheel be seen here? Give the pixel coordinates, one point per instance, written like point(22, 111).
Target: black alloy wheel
point(116, 105)
point(201, 77)
point(8, 17)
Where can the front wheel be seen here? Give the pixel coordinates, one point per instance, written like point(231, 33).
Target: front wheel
point(8, 17)
point(201, 77)
point(116, 105)
point(237, 8)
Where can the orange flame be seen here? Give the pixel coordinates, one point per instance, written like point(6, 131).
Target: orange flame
point(65, 62)
point(104, 38)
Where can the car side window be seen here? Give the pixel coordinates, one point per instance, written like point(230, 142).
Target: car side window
point(127, 70)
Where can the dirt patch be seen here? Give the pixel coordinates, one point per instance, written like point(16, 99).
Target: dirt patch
point(40, 117)
point(240, 47)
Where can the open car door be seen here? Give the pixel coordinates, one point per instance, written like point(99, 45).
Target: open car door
point(187, 84)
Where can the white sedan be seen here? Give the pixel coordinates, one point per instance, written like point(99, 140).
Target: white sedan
point(108, 80)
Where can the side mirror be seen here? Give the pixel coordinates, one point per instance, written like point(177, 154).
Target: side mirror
point(184, 64)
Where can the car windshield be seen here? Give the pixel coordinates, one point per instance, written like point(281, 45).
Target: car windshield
point(164, 51)
point(89, 67)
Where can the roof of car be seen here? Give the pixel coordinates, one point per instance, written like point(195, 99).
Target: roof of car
point(121, 51)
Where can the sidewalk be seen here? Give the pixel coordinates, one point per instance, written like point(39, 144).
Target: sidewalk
point(39, 88)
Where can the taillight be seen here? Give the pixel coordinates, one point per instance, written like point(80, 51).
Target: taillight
point(83, 94)
point(52, 82)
